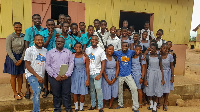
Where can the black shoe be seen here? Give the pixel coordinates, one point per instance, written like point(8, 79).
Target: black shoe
point(149, 108)
point(101, 110)
point(82, 110)
point(46, 92)
point(92, 108)
point(154, 110)
point(28, 95)
point(119, 107)
point(76, 110)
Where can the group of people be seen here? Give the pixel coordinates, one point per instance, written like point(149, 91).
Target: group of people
point(99, 60)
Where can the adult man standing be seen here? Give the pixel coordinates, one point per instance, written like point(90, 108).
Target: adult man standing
point(61, 85)
point(97, 66)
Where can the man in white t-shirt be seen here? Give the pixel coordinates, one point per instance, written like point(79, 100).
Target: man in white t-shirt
point(97, 66)
point(35, 57)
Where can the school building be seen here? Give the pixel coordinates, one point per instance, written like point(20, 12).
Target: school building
point(173, 16)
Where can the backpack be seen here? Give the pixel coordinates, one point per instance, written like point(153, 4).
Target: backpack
point(100, 36)
point(147, 59)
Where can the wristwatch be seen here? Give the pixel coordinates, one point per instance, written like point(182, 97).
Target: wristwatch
point(115, 78)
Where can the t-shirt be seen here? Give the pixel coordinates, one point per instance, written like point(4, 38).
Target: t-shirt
point(37, 57)
point(124, 62)
point(96, 56)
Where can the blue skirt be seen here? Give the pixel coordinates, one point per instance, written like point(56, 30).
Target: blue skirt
point(9, 65)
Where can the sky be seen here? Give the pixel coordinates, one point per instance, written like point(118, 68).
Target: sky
point(195, 16)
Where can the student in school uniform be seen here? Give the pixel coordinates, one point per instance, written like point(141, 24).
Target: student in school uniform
point(80, 76)
point(113, 39)
point(171, 52)
point(49, 36)
point(132, 28)
point(118, 33)
point(168, 70)
point(150, 35)
point(125, 24)
point(96, 25)
point(154, 79)
point(61, 19)
point(86, 39)
point(129, 33)
point(136, 41)
point(82, 28)
point(125, 37)
point(159, 39)
point(68, 19)
point(74, 36)
point(144, 41)
point(138, 70)
point(102, 34)
point(124, 57)
point(35, 58)
point(14, 63)
point(60, 83)
point(109, 81)
point(97, 66)
point(29, 41)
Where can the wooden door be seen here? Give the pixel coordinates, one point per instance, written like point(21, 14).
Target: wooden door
point(42, 7)
point(77, 11)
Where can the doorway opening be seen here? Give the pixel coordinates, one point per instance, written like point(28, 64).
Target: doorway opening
point(136, 19)
point(57, 8)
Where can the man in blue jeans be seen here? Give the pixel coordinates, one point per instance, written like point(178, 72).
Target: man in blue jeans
point(97, 66)
point(35, 57)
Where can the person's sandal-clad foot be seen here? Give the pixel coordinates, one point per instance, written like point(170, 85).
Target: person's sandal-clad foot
point(92, 108)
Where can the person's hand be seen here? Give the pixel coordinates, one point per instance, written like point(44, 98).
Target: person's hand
point(79, 34)
point(58, 78)
point(57, 35)
point(20, 62)
point(110, 82)
point(64, 77)
point(97, 77)
point(113, 81)
point(87, 83)
point(163, 82)
point(40, 80)
point(50, 33)
point(172, 80)
point(17, 63)
point(69, 33)
point(146, 83)
point(141, 81)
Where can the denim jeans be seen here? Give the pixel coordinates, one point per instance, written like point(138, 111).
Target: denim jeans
point(61, 91)
point(36, 87)
point(96, 84)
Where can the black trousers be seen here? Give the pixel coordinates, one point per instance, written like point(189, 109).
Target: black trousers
point(61, 91)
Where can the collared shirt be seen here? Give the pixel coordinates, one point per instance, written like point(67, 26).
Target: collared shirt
point(37, 57)
point(74, 40)
point(86, 40)
point(58, 30)
point(96, 56)
point(45, 35)
point(150, 33)
point(29, 34)
point(104, 38)
point(55, 59)
point(14, 44)
point(160, 42)
point(116, 42)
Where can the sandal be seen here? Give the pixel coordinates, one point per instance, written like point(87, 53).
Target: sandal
point(92, 108)
point(28, 95)
point(158, 106)
point(21, 94)
point(46, 92)
point(17, 97)
point(110, 108)
point(165, 107)
point(101, 110)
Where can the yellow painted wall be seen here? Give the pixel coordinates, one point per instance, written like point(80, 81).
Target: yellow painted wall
point(173, 16)
point(14, 11)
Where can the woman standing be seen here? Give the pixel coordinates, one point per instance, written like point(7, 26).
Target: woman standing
point(14, 63)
